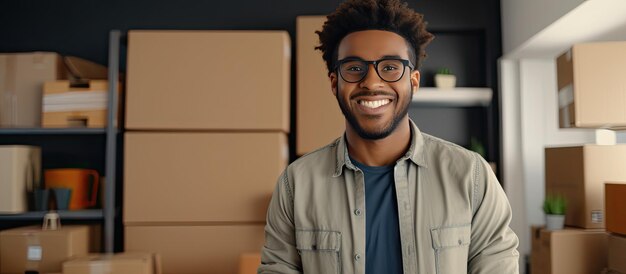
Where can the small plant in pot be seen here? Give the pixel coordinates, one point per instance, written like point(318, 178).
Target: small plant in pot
point(445, 79)
point(554, 207)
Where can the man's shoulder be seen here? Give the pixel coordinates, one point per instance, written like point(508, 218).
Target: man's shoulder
point(438, 148)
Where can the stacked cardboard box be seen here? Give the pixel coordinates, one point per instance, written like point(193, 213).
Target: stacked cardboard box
point(579, 173)
point(207, 117)
point(67, 104)
point(569, 251)
point(120, 263)
point(591, 86)
point(22, 76)
point(319, 119)
point(615, 193)
point(33, 249)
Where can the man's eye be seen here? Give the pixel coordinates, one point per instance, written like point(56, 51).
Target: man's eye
point(389, 68)
point(354, 68)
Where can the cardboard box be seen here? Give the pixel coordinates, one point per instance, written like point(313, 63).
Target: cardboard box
point(30, 248)
point(615, 204)
point(579, 174)
point(201, 177)
point(21, 81)
point(319, 118)
point(120, 263)
point(196, 249)
point(617, 253)
point(572, 251)
point(217, 80)
point(20, 172)
point(67, 104)
point(591, 86)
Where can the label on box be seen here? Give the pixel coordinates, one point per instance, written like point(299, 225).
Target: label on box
point(34, 253)
point(596, 216)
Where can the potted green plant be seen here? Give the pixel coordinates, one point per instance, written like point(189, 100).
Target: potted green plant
point(445, 79)
point(554, 207)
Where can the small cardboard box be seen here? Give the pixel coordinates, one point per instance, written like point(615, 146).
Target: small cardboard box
point(84, 104)
point(319, 118)
point(591, 85)
point(208, 80)
point(22, 76)
point(20, 172)
point(579, 173)
point(201, 177)
point(120, 263)
point(572, 251)
point(617, 253)
point(30, 248)
point(196, 249)
point(615, 203)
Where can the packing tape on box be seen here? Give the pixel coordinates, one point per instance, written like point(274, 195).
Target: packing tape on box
point(99, 268)
point(34, 252)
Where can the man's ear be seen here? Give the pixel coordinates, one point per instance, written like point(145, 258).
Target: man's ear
point(333, 82)
point(415, 80)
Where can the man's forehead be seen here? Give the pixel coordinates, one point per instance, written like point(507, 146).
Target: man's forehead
point(372, 44)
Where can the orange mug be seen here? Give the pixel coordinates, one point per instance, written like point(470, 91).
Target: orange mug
point(77, 179)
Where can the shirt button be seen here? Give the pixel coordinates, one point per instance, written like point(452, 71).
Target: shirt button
point(357, 257)
point(357, 212)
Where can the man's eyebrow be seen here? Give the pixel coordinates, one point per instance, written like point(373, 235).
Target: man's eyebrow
point(391, 56)
point(351, 57)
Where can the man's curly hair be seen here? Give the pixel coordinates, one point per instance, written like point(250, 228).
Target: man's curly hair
point(388, 15)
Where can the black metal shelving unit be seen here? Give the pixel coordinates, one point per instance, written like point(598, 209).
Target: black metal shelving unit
point(106, 215)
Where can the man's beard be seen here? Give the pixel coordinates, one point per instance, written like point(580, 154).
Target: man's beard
point(382, 133)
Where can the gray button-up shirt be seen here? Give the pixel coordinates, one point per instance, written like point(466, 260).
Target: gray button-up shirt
point(454, 216)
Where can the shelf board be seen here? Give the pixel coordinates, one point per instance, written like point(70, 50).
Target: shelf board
point(456, 97)
point(65, 215)
point(47, 131)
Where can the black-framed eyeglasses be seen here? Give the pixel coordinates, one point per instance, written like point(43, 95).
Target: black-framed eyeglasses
point(353, 70)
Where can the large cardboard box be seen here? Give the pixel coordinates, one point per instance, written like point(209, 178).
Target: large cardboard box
point(579, 174)
point(218, 80)
point(572, 251)
point(591, 84)
point(30, 248)
point(20, 172)
point(21, 81)
point(120, 263)
point(319, 119)
point(201, 177)
point(615, 203)
point(196, 249)
point(617, 253)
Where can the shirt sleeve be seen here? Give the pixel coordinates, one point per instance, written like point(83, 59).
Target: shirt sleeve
point(493, 245)
point(279, 254)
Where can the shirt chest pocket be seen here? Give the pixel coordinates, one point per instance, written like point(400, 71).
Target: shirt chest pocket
point(451, 247)
point(319, 251)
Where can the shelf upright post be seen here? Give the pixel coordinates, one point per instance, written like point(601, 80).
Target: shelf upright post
point(111, 139)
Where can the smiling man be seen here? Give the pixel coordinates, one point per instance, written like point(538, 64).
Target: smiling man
point(384, 197)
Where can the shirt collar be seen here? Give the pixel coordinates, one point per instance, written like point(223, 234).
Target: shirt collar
point(415, 153)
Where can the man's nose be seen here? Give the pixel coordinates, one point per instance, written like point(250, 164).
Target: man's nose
point(371, 81)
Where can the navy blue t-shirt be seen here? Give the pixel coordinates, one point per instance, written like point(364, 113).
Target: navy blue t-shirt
point(383, 250)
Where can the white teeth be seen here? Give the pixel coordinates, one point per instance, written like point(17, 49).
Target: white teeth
point(374, 104)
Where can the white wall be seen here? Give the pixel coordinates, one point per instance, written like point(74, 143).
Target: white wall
point(521, 19)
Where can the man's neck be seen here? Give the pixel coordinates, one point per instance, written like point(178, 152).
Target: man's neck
point(380, 152)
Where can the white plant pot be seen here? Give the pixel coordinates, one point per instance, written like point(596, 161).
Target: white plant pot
point(445, 81)
point(555, 222)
